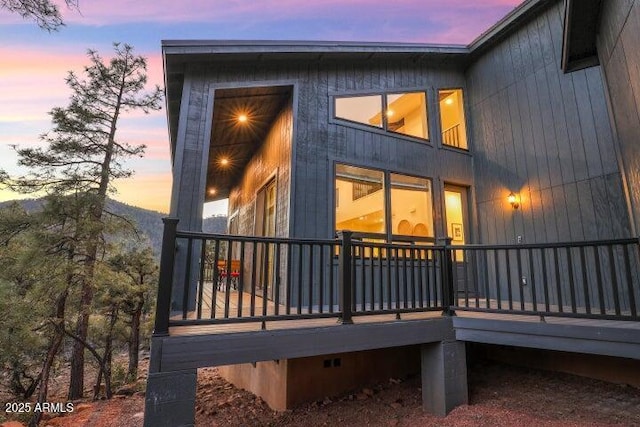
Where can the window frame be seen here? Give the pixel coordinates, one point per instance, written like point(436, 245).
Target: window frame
point(466, 124)
point(387, 236)
point(384, 129)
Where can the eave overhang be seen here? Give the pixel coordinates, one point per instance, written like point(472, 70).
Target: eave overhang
point(579, 47)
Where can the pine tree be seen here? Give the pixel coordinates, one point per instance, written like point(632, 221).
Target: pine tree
point(83, 157)
point(44, 12)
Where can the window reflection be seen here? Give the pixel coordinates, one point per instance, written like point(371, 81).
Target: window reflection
point(411, 208)
point(454, 131)
point(359, 199)
point(404, 113)
point(362, 203)
point(407, 114)
point(360, 109)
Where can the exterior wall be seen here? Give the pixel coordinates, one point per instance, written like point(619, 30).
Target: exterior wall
point(619, 52)
point(322, 141)
point(268, 380)
point(319, 141)
point(544, 135)
point(286, 384)
point(273, 160)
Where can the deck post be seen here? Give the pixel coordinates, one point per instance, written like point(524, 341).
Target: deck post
point(170, 399)
point(167, 260)
point(344, 277)
point(448, 290)
point(444, 377)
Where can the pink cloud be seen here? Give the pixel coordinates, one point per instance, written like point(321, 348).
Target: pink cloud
point(452, 21)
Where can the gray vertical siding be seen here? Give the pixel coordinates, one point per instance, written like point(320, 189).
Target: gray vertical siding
point(272, 160)
point(319, 141)
point(545, 135)
point(619, 52)
point(189, 168)
point(189, 171)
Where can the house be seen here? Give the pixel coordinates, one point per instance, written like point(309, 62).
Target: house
point(374, 187)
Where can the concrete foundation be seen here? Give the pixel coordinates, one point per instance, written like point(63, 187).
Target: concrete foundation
point(170, 400)
point(444, 377)
point(288, 383)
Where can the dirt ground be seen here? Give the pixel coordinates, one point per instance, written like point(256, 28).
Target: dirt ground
point(500, 395)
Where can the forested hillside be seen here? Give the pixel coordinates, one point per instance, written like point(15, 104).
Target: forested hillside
point(147, 221)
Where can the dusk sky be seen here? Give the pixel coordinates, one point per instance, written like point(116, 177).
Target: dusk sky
point(34, 63)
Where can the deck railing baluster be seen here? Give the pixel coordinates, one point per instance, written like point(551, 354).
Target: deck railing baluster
point(572, 290)
point(203, 252)
point(254, 269)
point(241, 278)
point(310, 300)
point(507, 255)
point(321, 280)
point(629, 278)
point(545, 284)
point(532, 273)
point(409, 277)
point(614, 281)
point(521, 278)
point(215, 279)
point(345, 278)
point(496, 266)
point(585, 281)
point(276, 286)
point(187, 280)
point(596, 253)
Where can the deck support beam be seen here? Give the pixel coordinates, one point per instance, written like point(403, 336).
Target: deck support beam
point(444, 377)
point(171, 399)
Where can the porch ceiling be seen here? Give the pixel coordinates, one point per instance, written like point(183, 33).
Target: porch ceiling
point(233, 141)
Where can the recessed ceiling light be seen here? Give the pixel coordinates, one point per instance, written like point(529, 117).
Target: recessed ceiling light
point(224, 161)
point(212, 191)
point(242, 118)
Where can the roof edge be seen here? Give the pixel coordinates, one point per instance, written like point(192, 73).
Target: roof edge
point(303, 46)
point(506, 24)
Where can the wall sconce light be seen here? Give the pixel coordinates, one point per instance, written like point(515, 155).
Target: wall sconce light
point(514, 200)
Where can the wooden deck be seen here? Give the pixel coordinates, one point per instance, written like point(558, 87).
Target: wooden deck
point(597, 336)
point(594, 336)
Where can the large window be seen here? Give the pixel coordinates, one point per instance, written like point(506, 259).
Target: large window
point(452, 123)
point(404, 113)
point(359, 199)
point(411, 208)
point(364, 203)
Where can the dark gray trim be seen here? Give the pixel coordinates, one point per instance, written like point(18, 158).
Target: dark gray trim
point(178, 152)
point(204, 167)
point(603, 340)
point(294, 155)
point(190, 47)
point(188, 352)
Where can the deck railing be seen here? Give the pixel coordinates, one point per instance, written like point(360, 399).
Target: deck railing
point(593, 279)
point(215, 278)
